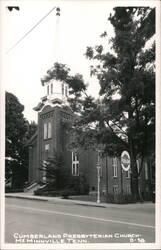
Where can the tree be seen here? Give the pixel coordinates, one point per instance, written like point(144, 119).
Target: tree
point(16, 129)
point(55, 172)
point(58, 177)
point(31, 130)
point(128, 122)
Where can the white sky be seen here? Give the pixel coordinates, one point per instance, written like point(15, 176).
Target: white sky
point(81, 23)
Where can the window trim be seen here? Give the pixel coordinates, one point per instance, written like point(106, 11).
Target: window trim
point(47, 130)
point(115, 167)
point(75, 164)
point(49, 134)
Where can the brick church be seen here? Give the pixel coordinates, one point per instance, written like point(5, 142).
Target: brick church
point(51, 136)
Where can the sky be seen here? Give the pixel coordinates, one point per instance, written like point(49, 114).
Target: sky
point(80, 25)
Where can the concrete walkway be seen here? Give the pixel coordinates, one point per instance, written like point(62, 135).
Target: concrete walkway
point(30, 196)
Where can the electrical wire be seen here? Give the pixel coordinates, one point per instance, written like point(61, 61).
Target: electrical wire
point(30, 30)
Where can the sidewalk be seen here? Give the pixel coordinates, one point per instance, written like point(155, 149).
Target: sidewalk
point(30, 196)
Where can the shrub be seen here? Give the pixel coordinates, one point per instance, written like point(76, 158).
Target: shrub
point(78, 184)
point(66, 193)
point(13, 190)
point(54, 193)
point(59, 178)
point(120, 198)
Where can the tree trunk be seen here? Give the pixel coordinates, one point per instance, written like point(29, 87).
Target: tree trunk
point(134, 175)
point(134, 185)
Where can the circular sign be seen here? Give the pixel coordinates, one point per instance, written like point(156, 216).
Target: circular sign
point(125, 160)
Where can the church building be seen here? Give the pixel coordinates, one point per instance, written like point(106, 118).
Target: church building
point(104, 173)
point(52, 137)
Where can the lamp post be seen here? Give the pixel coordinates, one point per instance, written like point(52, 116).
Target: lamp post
point(98, 166)
point(98, 181)
point(100, 149)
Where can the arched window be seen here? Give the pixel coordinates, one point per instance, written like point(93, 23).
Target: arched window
point(47, 130)
point(114, 165)
point(75, 164)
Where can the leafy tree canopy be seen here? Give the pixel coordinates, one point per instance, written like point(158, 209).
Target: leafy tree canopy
point(18, 130)
point(127, 73)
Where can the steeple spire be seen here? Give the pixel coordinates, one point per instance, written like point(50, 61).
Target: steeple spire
point(56, 91)
point(57, 36)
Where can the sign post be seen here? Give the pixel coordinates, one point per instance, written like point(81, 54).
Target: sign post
point(125, 161)
point(98, 181)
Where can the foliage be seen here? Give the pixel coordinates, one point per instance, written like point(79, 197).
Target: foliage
point(126, 116)
point(58, 177)
point(55, 172)
point(15, 190)
point(128, 120)
point(31, 130)
point(16, 128)
point(18, 131)
point(120, 198)
point(55, 193)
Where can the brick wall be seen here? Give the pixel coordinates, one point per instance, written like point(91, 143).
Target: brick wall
point(88, 159)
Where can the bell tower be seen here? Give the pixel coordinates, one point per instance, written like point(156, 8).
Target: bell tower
point(56, 92)
point(53, 110)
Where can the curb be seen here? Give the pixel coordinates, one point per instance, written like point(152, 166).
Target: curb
point(26, 197)
point(53, 199)
point(71, 201)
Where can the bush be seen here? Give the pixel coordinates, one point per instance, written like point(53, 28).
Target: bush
point(13, 190)
point(78, 184)
point(66, 193)
point(54, 193)
point(120, 199)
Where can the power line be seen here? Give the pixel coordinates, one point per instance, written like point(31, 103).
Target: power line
point(31, 29)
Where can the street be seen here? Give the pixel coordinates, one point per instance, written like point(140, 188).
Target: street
point(29, 221)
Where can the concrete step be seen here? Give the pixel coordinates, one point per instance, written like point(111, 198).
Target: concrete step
point(31, 188)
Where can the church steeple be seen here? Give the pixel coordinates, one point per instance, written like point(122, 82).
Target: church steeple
point(56, 92)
